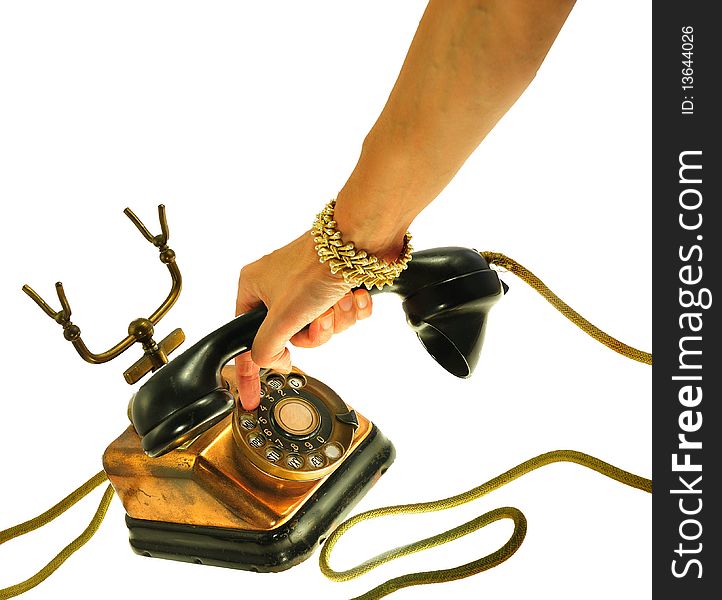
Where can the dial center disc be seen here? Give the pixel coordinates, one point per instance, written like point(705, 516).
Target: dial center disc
point(296, 416)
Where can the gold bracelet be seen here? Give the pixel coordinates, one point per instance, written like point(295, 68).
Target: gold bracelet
point(357, 267)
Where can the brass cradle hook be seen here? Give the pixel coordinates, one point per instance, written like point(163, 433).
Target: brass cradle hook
point(140, 330)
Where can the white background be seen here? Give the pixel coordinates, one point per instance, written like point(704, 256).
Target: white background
point(244, 118)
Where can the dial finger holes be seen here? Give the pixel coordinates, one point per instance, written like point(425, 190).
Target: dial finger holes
point(273, 454)
point(247, 421)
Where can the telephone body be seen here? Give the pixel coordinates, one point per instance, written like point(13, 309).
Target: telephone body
point(203, 480)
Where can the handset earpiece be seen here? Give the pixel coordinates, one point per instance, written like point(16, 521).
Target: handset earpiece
point(447, 294)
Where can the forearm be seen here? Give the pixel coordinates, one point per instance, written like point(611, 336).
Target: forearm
point(468, 63)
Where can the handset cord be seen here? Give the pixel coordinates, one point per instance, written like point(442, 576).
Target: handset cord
point(476, 566)
point(508, 512)
point(509, 264)
point(487, 562)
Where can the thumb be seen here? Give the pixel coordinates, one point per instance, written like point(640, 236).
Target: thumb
point(245, 299)
point(269, 347)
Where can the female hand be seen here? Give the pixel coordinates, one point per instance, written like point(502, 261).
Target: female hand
point(298, 290)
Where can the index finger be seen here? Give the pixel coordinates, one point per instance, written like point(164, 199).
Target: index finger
point(248, 382)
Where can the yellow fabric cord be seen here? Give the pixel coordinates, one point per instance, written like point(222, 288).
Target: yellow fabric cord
point(503, 261)
point(517, 536)
point(476, 566)
point(45, 518)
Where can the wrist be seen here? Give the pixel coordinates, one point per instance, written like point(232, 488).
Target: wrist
point(372, 219)
point(372, 234)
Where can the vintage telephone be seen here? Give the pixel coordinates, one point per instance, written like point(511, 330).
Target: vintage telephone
point(258, 490)
point(205, 481)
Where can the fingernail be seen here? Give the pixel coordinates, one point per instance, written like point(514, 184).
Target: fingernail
point(362, 300)
point(346, 303)
point(327, 322)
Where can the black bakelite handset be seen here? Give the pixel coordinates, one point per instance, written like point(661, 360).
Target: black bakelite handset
point(447, 294)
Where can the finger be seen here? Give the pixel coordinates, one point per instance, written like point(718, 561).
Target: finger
point(283, 363)
point(245, 300)
point(364, 305)
point(269, 347)
point(249, 386)
point(302, 339)
point(318, 332)
point(344, 313)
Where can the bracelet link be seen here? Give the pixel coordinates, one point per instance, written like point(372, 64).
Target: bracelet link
point(357, 267)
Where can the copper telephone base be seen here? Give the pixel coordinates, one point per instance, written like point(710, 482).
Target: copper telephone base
point(279, 548)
